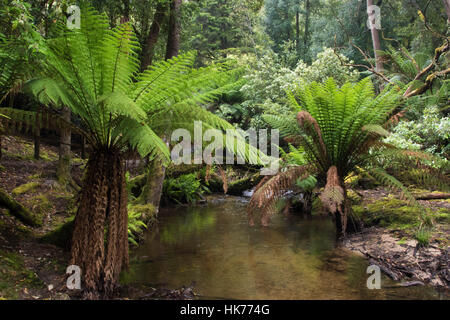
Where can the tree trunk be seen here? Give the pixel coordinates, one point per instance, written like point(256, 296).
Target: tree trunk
point(100, 236)
point(83, 147)
point(153, 188)
point(346, 222)
point(173, 41)
point(17, 210)
point(297, 30)
point(148, 50)
point(375, 38)
point(447, 9)
point(37, 135)
point(307, 10)
point(126, 11)
point(63, 170)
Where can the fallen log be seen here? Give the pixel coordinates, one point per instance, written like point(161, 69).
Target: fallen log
point(18, 210)
point(434, 196)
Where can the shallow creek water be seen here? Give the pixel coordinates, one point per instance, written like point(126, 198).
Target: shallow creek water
point(213, 247)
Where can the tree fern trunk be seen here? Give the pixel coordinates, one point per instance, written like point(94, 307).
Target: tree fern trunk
point(100, 239)
point(346, 222)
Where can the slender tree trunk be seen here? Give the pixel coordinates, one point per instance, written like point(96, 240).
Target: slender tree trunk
point(100, 237)
point(153, 188)
point(37, 134)
point(148, 50)
point(63, 171)
point(306, 38)
point(297, 30)
point(126, 11)
point(157, 172)
point(83, 147)
point(375, 37)
point(173, 41)
point(447, 9)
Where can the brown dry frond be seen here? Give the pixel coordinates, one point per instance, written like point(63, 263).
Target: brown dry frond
point(395, 119)
point(208, 173)
point(333, 195)
point(268, 192)
point(262, 182)
point(223, 176)
point(312, 128)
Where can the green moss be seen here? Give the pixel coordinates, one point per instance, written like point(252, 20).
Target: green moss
point(393, 213)
point(41, 206)
point(25, 188)
point(147, 211)
point(35, 176)
point(238, 187)
point(62, 235)
point(14, 276)
point(442, 216)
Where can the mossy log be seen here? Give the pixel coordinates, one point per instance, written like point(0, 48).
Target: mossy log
point(61, 236)
point(18, 210)
point(237, 187)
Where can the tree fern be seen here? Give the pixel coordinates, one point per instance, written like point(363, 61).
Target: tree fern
point(338, 130)
point(94, 71)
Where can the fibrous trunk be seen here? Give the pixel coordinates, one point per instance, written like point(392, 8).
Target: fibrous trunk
point(100, 240)
point(335, 199)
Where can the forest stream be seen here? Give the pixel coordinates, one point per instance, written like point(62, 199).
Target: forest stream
point(213, 248)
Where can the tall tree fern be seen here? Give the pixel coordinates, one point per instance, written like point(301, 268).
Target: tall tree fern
point(94, 71)
point(340, 131)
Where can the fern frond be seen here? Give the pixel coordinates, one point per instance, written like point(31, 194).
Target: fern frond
point(269, 192)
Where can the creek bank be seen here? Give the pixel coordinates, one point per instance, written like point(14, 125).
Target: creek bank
point(402, 260)
point(391, 237)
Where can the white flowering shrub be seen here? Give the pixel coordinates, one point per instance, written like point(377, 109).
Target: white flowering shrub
point(268, 78)
point(326, 65)
point(430, 133)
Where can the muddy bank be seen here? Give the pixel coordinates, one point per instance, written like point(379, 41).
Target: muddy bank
point(403, 259)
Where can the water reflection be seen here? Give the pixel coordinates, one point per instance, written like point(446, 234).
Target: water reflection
point(214, 247)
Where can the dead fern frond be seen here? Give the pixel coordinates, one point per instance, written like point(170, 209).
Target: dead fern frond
point(267, 193)
point(312, 128)
point(223, 176)
point(333, 195)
